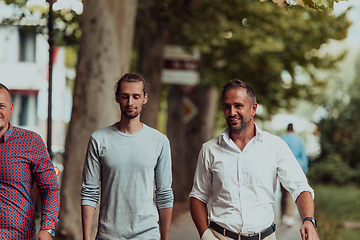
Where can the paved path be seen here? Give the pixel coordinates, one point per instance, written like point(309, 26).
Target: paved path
point(184, 228)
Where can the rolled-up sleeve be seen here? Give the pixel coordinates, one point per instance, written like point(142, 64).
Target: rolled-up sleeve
point(163, 178)
point(91, 177)
point(202, 185)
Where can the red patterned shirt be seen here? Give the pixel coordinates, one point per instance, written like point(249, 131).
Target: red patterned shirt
point(24, 160)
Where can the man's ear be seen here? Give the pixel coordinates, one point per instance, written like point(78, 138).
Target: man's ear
point(253, 109)
point(116, 98)
point(145, 98)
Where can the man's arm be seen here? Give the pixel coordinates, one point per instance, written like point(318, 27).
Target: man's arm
point(90, 191)
point(305, 204)
point(165, 215)
point(199, 214)
point(163, 192)
point(47, 185)
point(87, 216)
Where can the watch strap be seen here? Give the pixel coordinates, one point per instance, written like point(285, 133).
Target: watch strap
point(312, 219)
point(50, 231)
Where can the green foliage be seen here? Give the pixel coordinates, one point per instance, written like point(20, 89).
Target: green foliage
point(333, 170)
point(256, 42)
point(71, 56)
point(67, 28)
point(67, 31)
point(333, 207)
point(339, 141)
point(252, 41)
point(326, 3)
point(20, 3)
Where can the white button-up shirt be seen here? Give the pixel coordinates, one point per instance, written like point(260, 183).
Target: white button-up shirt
point(243, 183)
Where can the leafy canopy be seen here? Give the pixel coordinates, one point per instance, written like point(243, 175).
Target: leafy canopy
point(258, 42)
point(338, 162)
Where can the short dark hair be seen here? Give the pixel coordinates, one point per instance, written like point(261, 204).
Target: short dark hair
point(290, 127)
point(3, 86)
point(131, 77)
point(236, 84)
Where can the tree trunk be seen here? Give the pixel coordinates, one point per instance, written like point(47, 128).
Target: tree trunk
point(175, 133)
point(152, 41)
point(200, 129)
point(187, 137)
point(104, 56)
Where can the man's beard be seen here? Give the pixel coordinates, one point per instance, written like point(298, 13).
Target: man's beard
point(132, 114)
point(238, 128)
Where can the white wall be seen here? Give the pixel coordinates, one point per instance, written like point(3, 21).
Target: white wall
point(29, 75)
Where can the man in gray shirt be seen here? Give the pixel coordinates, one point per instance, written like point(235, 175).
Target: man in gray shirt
point(123, 160)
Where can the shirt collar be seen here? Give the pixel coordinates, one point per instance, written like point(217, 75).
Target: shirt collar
point(225, 136)
point(259, 134)
point(8, 133)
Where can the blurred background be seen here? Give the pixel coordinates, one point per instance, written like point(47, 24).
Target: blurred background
point(303, 65)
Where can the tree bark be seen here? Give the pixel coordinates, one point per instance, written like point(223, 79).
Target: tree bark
point(104, 56)
point(200, 129)
point(152, 41)
point(175, 133)
point(186, 138)
point(151, 54)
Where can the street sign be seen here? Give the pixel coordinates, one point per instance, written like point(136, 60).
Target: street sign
point(189, 110)
point(179, 66)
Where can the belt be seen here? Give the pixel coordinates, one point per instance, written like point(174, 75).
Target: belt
point(238, 236)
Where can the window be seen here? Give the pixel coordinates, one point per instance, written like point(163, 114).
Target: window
point(27, 40)
point(25, 108)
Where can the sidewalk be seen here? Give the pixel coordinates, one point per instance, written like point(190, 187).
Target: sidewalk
point(184, 229)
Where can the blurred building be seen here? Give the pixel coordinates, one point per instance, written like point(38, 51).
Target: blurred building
point(24, 59)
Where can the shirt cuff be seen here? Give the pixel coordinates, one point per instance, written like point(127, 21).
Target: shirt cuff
point(90, 203)
point(199, 197)
point(296, 193)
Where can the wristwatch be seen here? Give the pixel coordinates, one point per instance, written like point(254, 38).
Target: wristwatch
point(313, 220)
point(50, 231)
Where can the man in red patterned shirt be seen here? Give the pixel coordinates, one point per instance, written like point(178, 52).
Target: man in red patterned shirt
point(24, 160)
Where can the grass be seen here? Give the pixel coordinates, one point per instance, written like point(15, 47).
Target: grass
point(333, 207)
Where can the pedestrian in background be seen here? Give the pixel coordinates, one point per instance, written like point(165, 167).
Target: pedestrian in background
point(24, 160)
point(123, 161)
point(240, 168)
point(297, 147)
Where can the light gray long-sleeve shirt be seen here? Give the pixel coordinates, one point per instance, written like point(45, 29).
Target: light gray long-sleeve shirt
point(124, 167)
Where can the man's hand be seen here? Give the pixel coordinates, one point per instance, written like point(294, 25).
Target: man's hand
point(43, 235)
point(308, 231)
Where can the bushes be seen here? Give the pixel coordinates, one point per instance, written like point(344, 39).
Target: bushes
point(335, 206)
point(333, 170)
point(339, 160)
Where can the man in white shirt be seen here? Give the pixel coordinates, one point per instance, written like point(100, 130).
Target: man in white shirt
point(241, 168)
